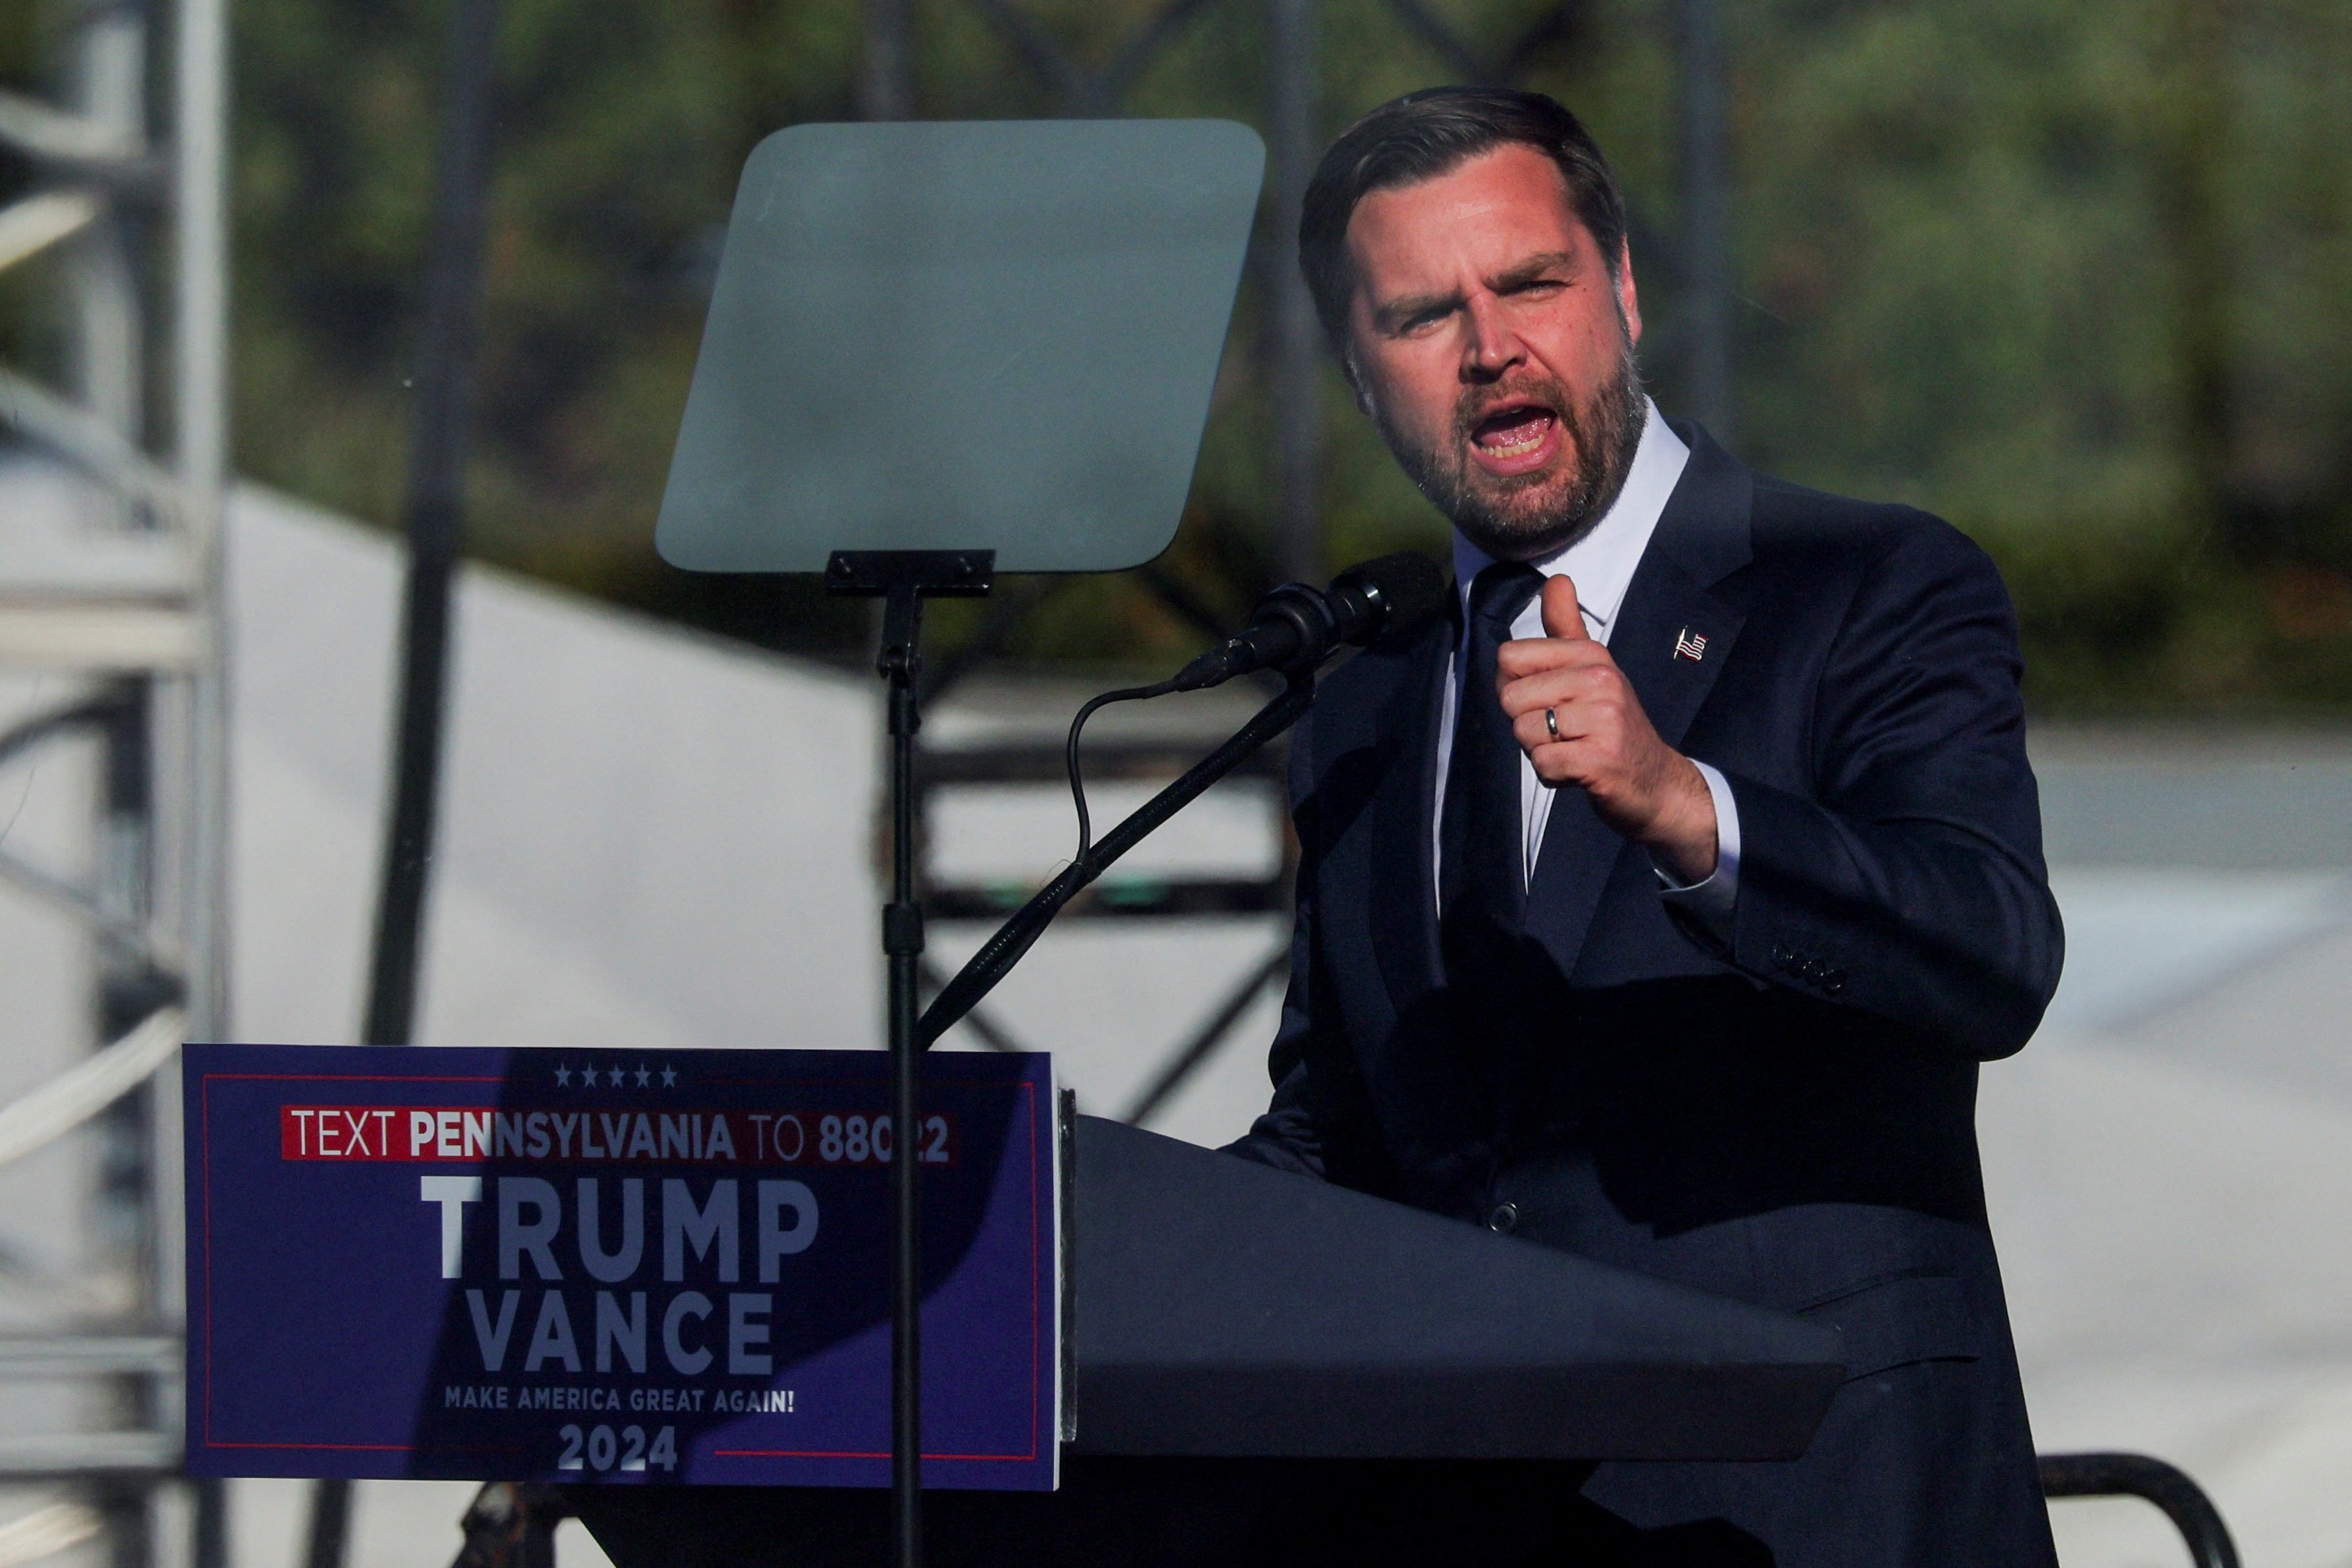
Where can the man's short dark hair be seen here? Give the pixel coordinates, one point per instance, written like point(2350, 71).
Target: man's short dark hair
point(1423, 135)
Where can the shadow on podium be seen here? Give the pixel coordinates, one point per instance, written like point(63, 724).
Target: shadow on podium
point(1163, 1513)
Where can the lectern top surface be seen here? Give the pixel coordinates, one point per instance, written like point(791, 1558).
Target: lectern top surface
point(994, 335)
point(1223, 1308)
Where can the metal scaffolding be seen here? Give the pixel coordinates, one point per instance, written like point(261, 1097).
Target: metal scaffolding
point(127, 204)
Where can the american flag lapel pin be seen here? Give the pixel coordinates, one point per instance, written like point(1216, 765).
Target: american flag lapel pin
point(1690, 645)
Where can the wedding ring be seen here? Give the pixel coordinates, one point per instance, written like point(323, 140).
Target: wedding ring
point(1551, 723)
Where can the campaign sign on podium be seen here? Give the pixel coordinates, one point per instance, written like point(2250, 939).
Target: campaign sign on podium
point(612, 1266)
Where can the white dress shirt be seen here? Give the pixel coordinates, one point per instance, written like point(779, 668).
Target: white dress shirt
point(1601, 565)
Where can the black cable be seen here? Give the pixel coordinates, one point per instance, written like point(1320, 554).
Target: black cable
point(1070, 750)
point(1021, 931)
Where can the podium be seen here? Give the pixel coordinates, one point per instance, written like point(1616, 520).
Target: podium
point(1264, 1367)
point(1223, 1308)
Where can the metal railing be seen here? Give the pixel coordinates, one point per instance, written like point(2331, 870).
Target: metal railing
point(2136, 1475)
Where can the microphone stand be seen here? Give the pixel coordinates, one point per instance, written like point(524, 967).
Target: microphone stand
point(1018, 934)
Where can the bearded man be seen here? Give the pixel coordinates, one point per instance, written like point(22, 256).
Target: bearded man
point(1660, 907)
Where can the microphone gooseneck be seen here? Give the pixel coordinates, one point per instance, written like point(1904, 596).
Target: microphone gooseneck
point(1296, 627)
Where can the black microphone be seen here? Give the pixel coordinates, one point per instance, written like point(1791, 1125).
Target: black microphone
point(1296, 627)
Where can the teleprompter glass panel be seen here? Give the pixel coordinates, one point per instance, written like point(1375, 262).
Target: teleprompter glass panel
point(994, 335)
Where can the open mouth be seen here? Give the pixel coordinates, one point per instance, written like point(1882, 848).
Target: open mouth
point(1516, 438)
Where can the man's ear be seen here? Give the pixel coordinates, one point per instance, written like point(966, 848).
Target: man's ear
point(1356, 383)
point(1628, 306)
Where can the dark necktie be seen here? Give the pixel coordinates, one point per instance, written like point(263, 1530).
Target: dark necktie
point(1482, 886)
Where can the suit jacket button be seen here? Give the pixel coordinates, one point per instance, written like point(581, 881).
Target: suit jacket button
point(1504, 1219)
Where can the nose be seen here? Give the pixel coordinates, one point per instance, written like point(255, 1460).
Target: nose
point(1490, 346)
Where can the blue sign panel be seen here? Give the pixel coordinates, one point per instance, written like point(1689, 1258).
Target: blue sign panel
point(609, 1266)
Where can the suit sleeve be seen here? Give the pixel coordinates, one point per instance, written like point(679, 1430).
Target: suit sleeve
point(1317, 1125)
point(1290, 1134)
point(1910, 883)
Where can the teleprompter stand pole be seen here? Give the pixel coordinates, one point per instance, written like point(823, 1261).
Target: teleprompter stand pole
point(902, 580)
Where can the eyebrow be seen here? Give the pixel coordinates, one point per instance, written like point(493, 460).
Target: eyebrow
point(1535, 267)
point(1393, 315)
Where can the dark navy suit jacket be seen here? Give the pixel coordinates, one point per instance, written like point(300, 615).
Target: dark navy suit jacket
point(1786, 1117)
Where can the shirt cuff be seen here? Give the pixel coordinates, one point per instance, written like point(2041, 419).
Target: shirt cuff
point(1711, 903)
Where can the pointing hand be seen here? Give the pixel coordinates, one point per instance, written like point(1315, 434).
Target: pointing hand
point(1576, 716)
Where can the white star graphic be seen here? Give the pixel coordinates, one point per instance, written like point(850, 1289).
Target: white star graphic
point(669, 1076)
point(613, 1077)
point(644, 1077)
point(563, 1076)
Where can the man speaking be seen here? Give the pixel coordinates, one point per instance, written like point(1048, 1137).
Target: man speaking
point(1660, 907)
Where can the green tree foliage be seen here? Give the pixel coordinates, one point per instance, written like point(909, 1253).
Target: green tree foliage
point(2076, 278)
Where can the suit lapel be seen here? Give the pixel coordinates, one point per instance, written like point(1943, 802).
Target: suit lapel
point(1672, 638)
point(1404, 894)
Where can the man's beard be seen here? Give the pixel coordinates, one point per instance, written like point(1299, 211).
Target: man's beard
point(1526, 517)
